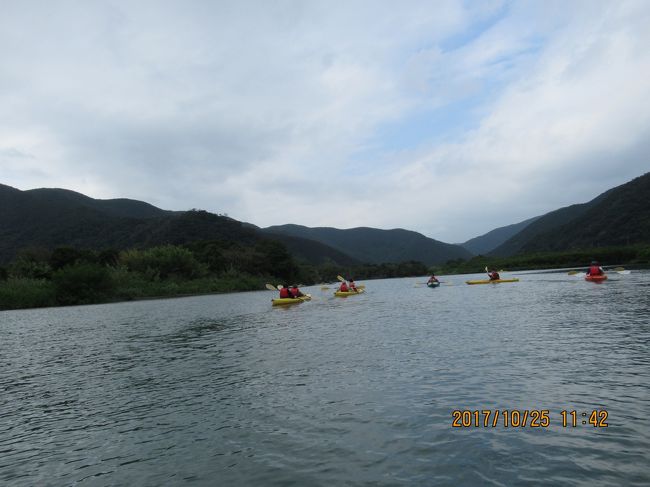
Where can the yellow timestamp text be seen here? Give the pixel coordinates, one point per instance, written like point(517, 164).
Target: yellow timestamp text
point(526, 418)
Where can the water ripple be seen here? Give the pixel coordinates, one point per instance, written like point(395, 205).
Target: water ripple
point(355, 391)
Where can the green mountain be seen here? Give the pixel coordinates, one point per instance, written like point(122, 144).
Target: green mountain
point(483, 244)
point(618, 216)
point(312, 251)
point(51, 218)
point(375, 246)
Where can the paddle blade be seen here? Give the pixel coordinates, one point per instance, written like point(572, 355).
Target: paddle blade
point(572, 273)
point(361, 286)
point(619, 269)
point(340, 278)
point(624, 273)
point(279, 286)
point(270, 287)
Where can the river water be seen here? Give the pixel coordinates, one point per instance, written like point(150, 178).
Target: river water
point(226, 390)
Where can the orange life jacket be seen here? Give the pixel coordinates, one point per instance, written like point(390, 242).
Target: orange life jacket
point(594, 270)
point(285, 293)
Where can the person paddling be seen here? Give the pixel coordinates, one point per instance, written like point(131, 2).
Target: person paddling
point(494, 275)
point(433, 278)
point(595, 269)
point(344, 287)
point(285, 292)
point(295, 292)
point(353, 286)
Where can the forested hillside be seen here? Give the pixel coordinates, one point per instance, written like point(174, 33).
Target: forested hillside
point(545, 223)
point(492, 239)
point(621, 216)
point(49, 218)
point(375, 246)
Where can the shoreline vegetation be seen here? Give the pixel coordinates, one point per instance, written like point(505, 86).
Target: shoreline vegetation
point(38, 277)
point(66, 276)
point(606, 256)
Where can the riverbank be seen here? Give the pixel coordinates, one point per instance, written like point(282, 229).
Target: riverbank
point(633, 255)
point(23, 293)
point(39, 278)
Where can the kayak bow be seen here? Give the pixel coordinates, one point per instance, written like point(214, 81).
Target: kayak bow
point(600, 278)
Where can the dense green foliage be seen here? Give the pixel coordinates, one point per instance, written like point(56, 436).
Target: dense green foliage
point(66, 276)
point(20, 292)
point(633, 254)
point(83, 283)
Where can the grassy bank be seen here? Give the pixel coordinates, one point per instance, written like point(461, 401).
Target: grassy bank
point(67, 276)
point(20, 293)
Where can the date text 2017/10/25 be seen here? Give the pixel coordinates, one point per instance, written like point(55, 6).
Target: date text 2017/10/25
point(525, 418)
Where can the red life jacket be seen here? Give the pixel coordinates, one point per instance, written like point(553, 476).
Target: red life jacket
point(594, 270)
point(295, 292)
point(285, 293)
point(344, 287)
point(494, 276)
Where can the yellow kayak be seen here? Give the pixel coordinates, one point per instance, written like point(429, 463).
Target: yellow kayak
point(283, 301)
point(342, 294)
point(496, 281)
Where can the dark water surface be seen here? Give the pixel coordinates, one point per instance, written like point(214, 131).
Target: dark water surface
point(225, 390)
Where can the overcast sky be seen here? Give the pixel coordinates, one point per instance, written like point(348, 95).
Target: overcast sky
point(448, 118)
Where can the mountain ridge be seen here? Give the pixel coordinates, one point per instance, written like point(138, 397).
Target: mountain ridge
point(609, 215)
point(619, 216)
point(487, 242)
point(53, 217)
point(376, 246)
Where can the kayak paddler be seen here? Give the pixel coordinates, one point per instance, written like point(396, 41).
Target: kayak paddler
point(344, 287)
point(353, 286)
point(285, 292)
point(433, 278)
point(494, 275)
point(295, 292)
point(595, 269)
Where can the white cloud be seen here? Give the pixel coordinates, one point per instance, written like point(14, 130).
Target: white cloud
point(269, 111)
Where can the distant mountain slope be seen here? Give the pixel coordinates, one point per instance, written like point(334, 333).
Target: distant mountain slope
point(545, 223)
point(119, 207)
point(376, 246)
point(620, 216)
point(617, 216)
point(313, 251)
point(489, 241)
point(56, 217)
